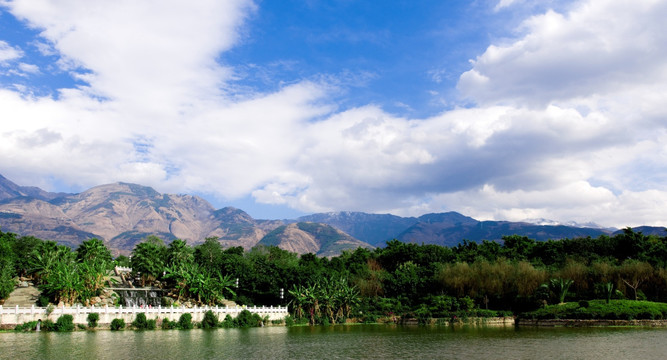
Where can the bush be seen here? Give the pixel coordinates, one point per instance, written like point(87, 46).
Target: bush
point(210, 321)
point(29, 326)
point(247, 319)
point(185, 322)
point(289, 320)
point(117, 324)
point(65, 323)
point(228, 322)
point(140, 322)
point(151, 324)
point(93, 318)
point(43, 301)
point(599, 309)
point(168, 325)
point(48, 325)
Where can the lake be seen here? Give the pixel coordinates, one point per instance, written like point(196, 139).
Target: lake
point(343, 342)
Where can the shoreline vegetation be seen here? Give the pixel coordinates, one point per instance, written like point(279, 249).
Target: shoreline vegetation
point(606, 279)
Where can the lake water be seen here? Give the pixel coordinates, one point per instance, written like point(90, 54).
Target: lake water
point(343, 342)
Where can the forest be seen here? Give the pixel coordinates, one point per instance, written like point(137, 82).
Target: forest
point(399, 280)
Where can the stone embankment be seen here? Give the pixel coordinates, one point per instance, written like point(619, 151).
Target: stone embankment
point(589, 323)
point(12, 316)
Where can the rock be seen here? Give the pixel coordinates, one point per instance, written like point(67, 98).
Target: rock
point(23, 284)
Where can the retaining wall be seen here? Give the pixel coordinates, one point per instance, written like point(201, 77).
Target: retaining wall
point(10, 317)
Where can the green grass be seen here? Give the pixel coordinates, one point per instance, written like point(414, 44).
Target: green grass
point(599, 309)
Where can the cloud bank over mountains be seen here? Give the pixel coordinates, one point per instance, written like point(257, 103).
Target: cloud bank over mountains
point(564, 119)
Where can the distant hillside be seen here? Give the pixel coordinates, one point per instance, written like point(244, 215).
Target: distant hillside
point(452, 234)
point(647, 230)
point(375, 229)
point(447, 229)
point(308, 237)
point(123, 214)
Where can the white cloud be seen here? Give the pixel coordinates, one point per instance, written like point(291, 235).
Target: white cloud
point(8, 52)
point(29, 68)
point(597, 48)
point(569, 121)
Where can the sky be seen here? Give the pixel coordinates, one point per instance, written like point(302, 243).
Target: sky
point(497, 109)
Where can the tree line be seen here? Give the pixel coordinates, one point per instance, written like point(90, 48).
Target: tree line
point(512, 275)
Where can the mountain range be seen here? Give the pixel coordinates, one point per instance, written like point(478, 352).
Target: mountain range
point(123, 214)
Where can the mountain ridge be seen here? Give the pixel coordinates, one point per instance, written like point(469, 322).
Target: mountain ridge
point(123, 214)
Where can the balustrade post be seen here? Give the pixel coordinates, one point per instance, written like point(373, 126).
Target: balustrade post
point(17, 309)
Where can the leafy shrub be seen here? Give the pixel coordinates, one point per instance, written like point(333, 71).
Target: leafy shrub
point(185, 322)
point(65, 323)
point(168, 325)
point(117, 324)
point(247, 319)
point(48, 325)
point(29, 326)
point(370, 319)
point(289, 320)
point(599, 309)
point(151, 324)
point(228, 322)
point(43, 301)
point(423, 315)
point(81, 326)
point(210, 321)
point(93, 318)
point(583, 304)
point(140, 322)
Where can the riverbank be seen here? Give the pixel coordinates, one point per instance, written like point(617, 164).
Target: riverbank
point(10, 317)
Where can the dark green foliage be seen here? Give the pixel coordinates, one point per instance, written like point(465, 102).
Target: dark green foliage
point(228, 322)
point(48, 325)
point(65, 323)
point(93, 318)
point(168, 325)
point(210, 320)
point(117, 324)
point(93, 250)
point(29, 326)
point(599, 309)
point(185, 322)
point(43, 301)
point(148, 259)
point(140, 322)
point(247, 319)
point(7, 260)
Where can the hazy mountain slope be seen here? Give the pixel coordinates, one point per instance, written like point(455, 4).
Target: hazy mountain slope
point(374, 229)
point(307, 237)
point(448, 234)
point(123, 214)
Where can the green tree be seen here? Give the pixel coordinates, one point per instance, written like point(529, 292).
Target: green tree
point(148, 259)
point(93, 250)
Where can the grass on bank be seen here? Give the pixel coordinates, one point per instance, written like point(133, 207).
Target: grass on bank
point(601, 310)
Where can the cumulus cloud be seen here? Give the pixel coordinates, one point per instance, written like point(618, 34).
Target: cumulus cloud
point(568, 121)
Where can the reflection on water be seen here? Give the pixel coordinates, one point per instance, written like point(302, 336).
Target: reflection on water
point(342, 342)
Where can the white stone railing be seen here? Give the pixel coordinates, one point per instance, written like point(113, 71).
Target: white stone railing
point(19, 315)
point(121, 269)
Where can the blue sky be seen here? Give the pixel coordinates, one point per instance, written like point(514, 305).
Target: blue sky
point(498, 109)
